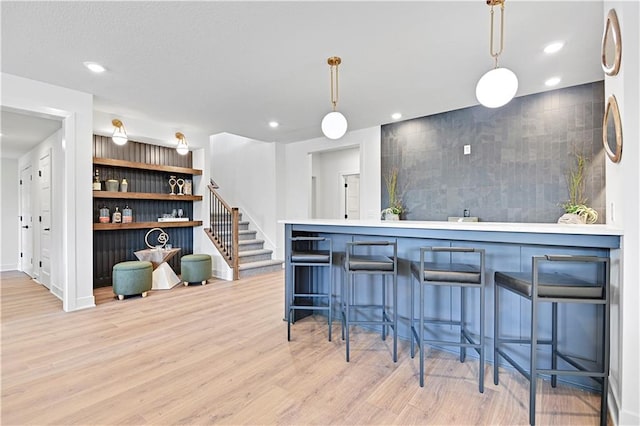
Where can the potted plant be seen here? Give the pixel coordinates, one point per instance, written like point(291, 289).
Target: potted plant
point(395, 208)
point(576, 209)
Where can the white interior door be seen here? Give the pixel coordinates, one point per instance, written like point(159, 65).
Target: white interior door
point(352, 196)
point(44, 189)
point(26, 222)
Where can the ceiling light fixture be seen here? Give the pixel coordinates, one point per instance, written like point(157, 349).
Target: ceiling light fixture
point(119, 136)
point(334, 124)
point(273, 124)
point(182, 147)
point(396, 116)
point(94, 66)
point(553, 81)
point(554, 47)
point(499, 85)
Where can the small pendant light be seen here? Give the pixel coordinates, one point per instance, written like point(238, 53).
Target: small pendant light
point(334, 124)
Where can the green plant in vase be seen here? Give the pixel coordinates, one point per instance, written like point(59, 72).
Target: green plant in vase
point(576, 208)
point(395, 208)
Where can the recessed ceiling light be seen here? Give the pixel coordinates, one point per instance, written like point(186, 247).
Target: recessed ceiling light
point(553, 81)
point(396, 116)
point(94, 66)
point(554, 47)
point(273, 124)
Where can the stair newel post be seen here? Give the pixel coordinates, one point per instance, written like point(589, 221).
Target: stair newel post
point(235, 225)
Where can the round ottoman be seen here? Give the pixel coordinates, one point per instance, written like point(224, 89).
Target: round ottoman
point(195, 268)
point(133, 277)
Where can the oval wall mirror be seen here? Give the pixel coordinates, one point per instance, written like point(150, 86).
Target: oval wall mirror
point(612, 130)
point(611, 45)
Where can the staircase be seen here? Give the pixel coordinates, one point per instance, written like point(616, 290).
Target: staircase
point(238, 245)
point(253, 258)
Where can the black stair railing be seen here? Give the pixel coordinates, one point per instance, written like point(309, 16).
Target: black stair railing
point(223, 230)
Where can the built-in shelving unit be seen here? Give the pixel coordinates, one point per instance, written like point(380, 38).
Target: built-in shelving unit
point(147, 169)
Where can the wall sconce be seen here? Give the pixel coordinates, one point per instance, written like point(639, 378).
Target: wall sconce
point(334, 124)
point(119, 136)
point(498, 86)
point(182, 147)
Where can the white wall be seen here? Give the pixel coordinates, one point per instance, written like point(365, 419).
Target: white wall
point(328, 167)
point(245, 170)
point(295, 165)
point(623, 204)
point(74, 168)
point(9, 234)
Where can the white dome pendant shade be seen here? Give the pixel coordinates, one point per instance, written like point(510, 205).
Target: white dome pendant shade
point(119, 136)
point(497, 87)
point(334, 125)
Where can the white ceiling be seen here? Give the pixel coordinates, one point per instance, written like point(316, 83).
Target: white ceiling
point(211, 67)
point(22, 132)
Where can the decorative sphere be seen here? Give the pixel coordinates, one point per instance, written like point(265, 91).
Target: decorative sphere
point(497, 87)
point(334, 125)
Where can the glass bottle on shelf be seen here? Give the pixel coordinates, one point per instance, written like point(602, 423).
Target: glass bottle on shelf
point(104, 215)
point(127, 215)
point(96, 182)
point(117, 216)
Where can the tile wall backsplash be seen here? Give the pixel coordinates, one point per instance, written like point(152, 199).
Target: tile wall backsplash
point(519, 156)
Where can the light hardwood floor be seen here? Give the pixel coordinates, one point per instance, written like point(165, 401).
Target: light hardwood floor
point(219, 354)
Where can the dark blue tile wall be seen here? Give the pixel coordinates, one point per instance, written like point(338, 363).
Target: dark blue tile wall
point(520, 154)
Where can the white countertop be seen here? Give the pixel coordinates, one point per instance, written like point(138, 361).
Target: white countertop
point(542, 228)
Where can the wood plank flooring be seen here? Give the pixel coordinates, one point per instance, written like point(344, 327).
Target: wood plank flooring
point(218, 354)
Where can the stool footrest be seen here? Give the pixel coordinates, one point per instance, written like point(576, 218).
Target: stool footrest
point(308, 308)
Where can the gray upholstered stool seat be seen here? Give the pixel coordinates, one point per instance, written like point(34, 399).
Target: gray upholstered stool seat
point(370, 258)
point(555, 288)
point(311, 256)
point(452, 274)
point(550, 285)
point(448, 272)
point(195, 268)
point(132, 277)
point(319, 256)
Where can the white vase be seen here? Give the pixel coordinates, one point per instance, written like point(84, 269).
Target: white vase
point(571, 218)
point(391, 216)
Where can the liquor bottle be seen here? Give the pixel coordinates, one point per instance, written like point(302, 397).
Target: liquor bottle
point(117, 216)
point(104, 215)
point(97, 186)
point(127, 215)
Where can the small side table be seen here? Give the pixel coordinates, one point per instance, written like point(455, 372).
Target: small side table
point(164, 278)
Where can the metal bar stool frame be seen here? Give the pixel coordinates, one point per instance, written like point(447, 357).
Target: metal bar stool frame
point(534, 297)
point(466, 340)
point(348, 285)
point(310, 257)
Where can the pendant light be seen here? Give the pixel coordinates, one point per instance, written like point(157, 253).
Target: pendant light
point(334, 124)
point(182, 147)
point(498, 86)
point(119, 136)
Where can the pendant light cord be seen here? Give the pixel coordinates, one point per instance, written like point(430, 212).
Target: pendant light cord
point(334, 86)
point(493, 54)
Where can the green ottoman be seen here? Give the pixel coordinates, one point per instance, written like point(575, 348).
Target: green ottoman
point(133, 277)
point(195, 268)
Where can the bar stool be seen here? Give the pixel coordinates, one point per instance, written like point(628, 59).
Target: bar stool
point(310, 252)
point(357, 263)
point(450, 274)
point(554, 288)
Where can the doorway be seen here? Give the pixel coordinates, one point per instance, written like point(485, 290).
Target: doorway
point(351, 196)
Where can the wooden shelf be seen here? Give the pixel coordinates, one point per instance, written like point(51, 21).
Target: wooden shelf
point(145, 196)
point(144, 166)
point(144, 225)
